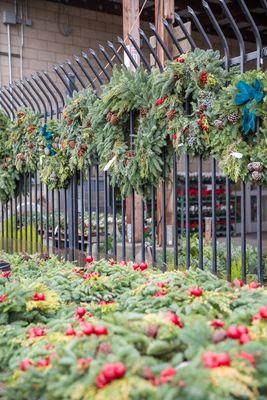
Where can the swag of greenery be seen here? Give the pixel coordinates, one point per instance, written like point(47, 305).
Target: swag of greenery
point(234, 117)
point(8, 175)
point(135, 162)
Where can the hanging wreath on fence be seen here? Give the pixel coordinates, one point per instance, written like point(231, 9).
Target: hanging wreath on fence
point(195, 77)
point(9, 177)
point(234, 118)
point(137, 165)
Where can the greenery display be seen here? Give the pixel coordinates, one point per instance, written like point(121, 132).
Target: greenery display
point(136, 160)
point(113, 331)
point(9, 177)
point(234, 117)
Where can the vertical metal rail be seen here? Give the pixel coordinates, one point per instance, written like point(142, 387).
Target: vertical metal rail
point(7, 227)
point(59, 221)
point(123, 230)
point(114, 222)
point(3, 226)
point(36, 211)
point(153, 216)
point(97, 211)
point(31, 222)
point(89, 186)
point(200, 214)
point(163, 214)
point(41, 216)
point(53, 218)
point(175, 219)
point(47, 217)
point(66, 238)
point(214, 217)
point(82, 210)
point(106, 214)
point(228, 229)
point(26, 212)
point(16, 223)
point(20, 215)
point(143, 252)
point(12, 226)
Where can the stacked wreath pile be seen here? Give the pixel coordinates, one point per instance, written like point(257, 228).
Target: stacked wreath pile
point(198, 78)
point(135, 162)
point(234, 118)
point(8, 174)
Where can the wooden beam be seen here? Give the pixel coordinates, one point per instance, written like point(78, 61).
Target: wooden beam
point(163, 9)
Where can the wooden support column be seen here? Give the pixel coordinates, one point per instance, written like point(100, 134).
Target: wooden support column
point(164, 9)
point(131, 24)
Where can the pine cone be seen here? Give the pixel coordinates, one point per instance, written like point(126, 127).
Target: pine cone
point(114, 119)
point(233, 118)
point(84, 146)
point(256, 176)
point(109, 115)
point(218, 123)
point(144, 112)
point(171, 114)
point(72, 144)
point(30, 145)
point(257, 166)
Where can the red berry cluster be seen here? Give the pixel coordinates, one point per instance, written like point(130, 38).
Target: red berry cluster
point(83, 363)
point(39, 297)
point(217, 323)
point(3, 297)
point(66, 118)
point(166, 376)
point(89, 259)
point(196, 291)
point(109, 373)
point(92, 275)
point(215, 360)
point(262, 314)
point(240, 333)
point(6, 274)
point(27, 363)
point(180, 60)
point(140, 266)
point(174, 318)
point(204, 77)
point(36, 332)
point(161, 101)
point(202, 122)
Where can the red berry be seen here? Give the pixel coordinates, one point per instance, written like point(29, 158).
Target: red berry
point(233, 332)
point(6, 274)
point(243, 329)
point(254, 285)
point(238, 283)
point(119, 370)
point(196, 291)
point(174, 319)
point(39, 297)
point(210, 360)
point(80, 311)
point(263, 312)
point(256, 318)
point(88, 329)
point(86, 276)
point(217, 323)
point(174, 136)
point(112, 262)
point(180, 60)
point(108, 372)
point(136, 266)
point(71, 331)
point(36, 332)
point(123, 263)
point(167, 374)
point(89, 259)
point(223, 360)
point(245, 338)
point(249, 357)
point(101, 381)
point(100, 330)
point(26, 364)
point(45, 362)
point(3, 298)
point(143, 266)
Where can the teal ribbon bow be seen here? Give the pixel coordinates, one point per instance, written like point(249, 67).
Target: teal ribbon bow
point(246, 95)
point(48, 135)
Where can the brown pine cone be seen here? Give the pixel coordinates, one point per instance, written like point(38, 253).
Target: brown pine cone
point(233, 118)
point(114, 119)
point(171, 114)
point(30, 145)
point(144, 112)
point(256, 176)
point(72, 144)
point(109, 115)
point(84, 146)
point(80, 153)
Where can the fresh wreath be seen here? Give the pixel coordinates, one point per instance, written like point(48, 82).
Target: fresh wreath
point(195, 78)
point(235, 119)
point(9, 176)
point(133, 162)
point(23, 142)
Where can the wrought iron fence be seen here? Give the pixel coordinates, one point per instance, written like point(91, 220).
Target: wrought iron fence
point(89, 217)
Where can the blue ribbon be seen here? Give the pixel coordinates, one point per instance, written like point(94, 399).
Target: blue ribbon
point(48, 135)
point(246, 95)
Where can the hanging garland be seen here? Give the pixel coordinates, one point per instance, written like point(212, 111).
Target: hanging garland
point(9, 177)
point(234, 118)
point(138, 164)
point(195, 77)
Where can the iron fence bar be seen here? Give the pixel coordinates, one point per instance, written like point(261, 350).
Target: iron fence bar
point(114, 222)
point(172, 35)
point(139, 51)
point(36, 208)
point(41, 216)
point(11, 94)
point(153, 216)
point(75, 73)
point(163, 216)
point(5, 100)
point(97, 211)
point(51, 93)
point(7, 228)
point(143, 255)
point(89, 212)
point(123, 230)
point(214, 217)
point(7, 110)
point(3, 225)
point(66, 239)
point(40, 97)
point(228, 229)
point(20, 214)
point(106, 213)
point(52, 83)
point(71, 79)
point(53, 218)
point(75, 212)
point(200, 27)
point(175, 219)
point(85, 56)
point(158, 38)
point(26, 212)
point(47, 218)
point(116, 53)
point(59, 220)
point(18, 95)
point(187, 211)
point(85, 72)
point(200, 212)
point(30, 201)
point(16, 223)
point(12, 225)
point(35, 80)
point(25, 85)
point(121, 42)
point(185, 31)
point(133, 224)
point(106, 55)
point(82, 210)
point(14, 103)
point(99, 63)
point(67, 86)
point(152, 51)
point(26, 96)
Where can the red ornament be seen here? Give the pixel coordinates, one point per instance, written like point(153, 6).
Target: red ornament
point(213, 360)
point(36, 332)
point(39, 297)
point(71, 331)
point(167, 374)
point(80, 312)
point(45, 362)
point(123, 263)
point(245, 338)
point(160, 101)
point(100, 330)
point(143, 265)
point(136, 266)
point(238, 283)
point(217, 323)
point(254, 285)
point(204, 77)
point(174, 136)
point(233, 332)
point(180, 60)
point(263, 312)
point(88, 329)
point(89, 259)
point(109, 373)
point(196, 291)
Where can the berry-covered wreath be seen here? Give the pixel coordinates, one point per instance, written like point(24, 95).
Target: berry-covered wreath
point(235, 119)
point(195, 77)
point(133, 162)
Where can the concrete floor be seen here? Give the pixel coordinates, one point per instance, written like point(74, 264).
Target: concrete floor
point(251, 239)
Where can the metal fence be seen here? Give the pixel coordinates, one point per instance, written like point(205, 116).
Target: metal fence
point(89, 217)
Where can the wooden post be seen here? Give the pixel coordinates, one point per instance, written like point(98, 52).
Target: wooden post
point(164, 9)
point(131, 24)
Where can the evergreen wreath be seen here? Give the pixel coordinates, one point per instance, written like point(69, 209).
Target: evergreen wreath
point(9, 176)
point(234, 117)
point(24, 140)
point(137, 165)
point(197, 77)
